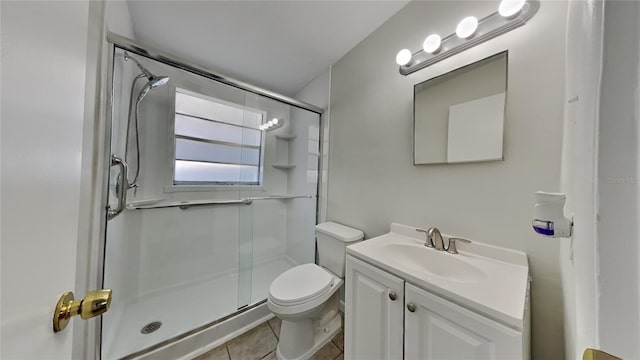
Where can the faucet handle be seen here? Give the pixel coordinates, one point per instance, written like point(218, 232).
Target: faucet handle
point(452, 244)
point(429, 241)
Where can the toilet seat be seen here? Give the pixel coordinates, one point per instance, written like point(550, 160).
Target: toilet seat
point(301, 284)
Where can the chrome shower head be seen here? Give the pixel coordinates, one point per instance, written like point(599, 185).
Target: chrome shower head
point(158, 81)
point(153, 82)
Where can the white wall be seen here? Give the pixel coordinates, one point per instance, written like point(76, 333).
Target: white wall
point(600, 175)
point(579, 164)
point(618, 184)
point(372, 179)
point(119, 18)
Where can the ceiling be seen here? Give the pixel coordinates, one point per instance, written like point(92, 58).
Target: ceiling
point(277, 45)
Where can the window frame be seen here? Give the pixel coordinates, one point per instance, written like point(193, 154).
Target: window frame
point(171, 186)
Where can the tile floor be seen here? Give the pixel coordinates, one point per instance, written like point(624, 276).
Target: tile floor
point(260, 343)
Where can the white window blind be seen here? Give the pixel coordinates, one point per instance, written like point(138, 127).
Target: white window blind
point(216, 143)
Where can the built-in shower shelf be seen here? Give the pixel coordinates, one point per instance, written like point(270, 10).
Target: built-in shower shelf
point(286, 137)
point(283, 166)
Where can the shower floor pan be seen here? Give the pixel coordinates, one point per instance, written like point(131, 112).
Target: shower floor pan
point(180, 311)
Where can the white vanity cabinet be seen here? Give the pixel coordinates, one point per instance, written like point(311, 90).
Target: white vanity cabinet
point(383, 313)
point(374, 310)
point(435, 328)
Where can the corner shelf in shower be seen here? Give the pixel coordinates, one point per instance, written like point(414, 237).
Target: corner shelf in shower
point(283, 166)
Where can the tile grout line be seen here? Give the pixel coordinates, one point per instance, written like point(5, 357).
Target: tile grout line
point(273, 331)
point(226, 346)
point(274, 334)
point(334, 343)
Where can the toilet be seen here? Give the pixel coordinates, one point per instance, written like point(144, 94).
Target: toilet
point(306, 297)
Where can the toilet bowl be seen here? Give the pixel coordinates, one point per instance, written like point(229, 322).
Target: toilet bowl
point(306, 297)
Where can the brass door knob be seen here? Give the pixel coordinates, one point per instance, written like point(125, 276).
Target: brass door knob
point(95, 303)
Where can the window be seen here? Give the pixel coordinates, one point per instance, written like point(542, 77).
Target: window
point(216, 143)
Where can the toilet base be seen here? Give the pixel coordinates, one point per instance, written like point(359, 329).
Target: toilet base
point(320, 339)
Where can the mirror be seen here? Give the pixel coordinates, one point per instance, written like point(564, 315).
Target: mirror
point(458, 117)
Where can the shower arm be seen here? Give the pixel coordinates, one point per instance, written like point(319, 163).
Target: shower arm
point(144, 70)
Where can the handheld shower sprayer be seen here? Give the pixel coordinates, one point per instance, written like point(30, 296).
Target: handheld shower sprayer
point(153, 82)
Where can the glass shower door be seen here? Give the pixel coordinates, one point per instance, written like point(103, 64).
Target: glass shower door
point(283, 213)
point(223, 203)
point(174, 256)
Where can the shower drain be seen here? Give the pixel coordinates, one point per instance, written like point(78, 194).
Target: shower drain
point(151, 327)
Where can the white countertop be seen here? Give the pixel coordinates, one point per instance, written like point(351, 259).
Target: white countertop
point(500, 292)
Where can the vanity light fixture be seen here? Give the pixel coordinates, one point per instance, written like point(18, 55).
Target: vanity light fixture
point(510, 8)
point(403, 58)
point(467, 27)
point(432, 43)
point(470, 32)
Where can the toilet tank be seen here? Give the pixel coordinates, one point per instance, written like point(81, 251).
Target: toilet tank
point(333, 239)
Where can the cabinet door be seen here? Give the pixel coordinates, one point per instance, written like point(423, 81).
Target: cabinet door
point(373, 313)
point(439, 329)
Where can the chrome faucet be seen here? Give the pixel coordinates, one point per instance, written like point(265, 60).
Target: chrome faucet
point(434, 235)
point(434, 240)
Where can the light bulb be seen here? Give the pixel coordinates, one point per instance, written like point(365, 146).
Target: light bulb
point(269, 123)
point(510, 8)
point(432, 43)
point(403, 57)
point(467, 27)
point(275, 121)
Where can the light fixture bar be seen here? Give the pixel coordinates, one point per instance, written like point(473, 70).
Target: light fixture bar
point(488, 28)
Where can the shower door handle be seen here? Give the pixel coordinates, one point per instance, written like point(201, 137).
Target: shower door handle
point(122, 187)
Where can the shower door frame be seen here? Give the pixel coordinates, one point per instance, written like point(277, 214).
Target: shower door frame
point(117, 41)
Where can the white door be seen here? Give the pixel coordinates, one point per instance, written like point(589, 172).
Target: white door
point(44, 109)
point(438, 329)
point(373, 312)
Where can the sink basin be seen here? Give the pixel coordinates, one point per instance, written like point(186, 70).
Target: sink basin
point(434, 262)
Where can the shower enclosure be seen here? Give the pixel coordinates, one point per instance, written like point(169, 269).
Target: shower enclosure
point(225, 198)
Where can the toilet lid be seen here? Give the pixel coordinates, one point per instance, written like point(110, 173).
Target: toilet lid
point(300, 284)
